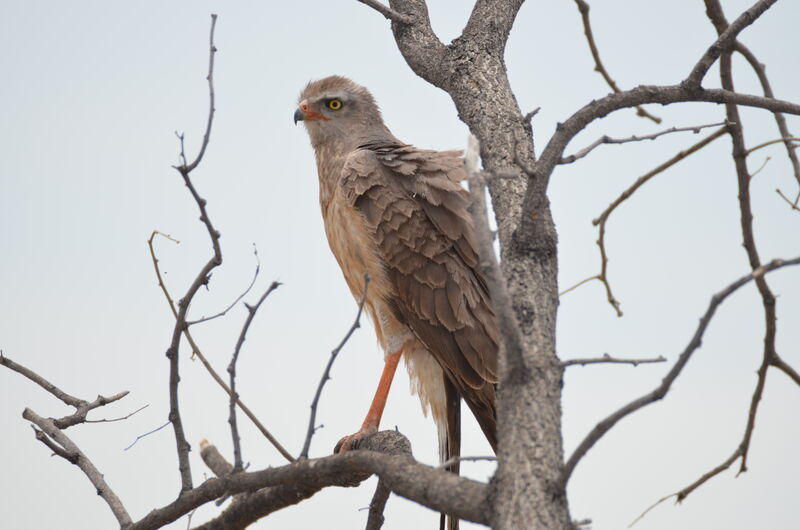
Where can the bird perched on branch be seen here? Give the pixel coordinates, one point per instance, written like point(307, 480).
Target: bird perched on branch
point(399, 214)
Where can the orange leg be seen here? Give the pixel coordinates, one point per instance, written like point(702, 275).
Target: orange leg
point(373, 419)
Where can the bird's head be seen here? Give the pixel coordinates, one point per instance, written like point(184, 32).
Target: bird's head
point(338, 112)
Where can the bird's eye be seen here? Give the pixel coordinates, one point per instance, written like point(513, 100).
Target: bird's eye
point(334, 104)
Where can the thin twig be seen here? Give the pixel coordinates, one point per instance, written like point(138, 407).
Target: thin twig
point(793, 205)
point(204, 361)
point(326, 375)
point(457, 459)
point(388, 12)
point(587, 280)
point(773, 142)
point(760, 168)
point(251, 313)
point(238, 298)
point(603, 218)
point(583, 7)
point(74, 455)
point(659, 392)
point(145, 435)
point(120, 418)
point(606, 358)
point(608, 140)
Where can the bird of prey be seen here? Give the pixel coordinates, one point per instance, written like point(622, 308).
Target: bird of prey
point(399, 213)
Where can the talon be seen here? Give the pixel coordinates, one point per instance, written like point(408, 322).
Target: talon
point(350, 442)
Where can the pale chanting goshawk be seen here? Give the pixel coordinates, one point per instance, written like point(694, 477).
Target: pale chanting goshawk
point(399, 213)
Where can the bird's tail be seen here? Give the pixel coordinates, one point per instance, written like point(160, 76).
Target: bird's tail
point(450, 442)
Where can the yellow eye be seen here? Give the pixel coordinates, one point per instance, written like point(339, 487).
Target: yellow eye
point(335, 104)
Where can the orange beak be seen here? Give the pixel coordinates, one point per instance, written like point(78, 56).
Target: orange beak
point(304, 113)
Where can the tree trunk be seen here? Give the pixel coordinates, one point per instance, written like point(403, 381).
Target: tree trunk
point(472, 70)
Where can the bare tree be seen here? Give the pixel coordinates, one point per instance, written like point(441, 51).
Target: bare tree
point(528, 490)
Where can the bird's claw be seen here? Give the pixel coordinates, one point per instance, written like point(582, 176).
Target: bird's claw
point(350, 442)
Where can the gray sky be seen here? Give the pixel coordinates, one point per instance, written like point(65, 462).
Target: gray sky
point(93, 92)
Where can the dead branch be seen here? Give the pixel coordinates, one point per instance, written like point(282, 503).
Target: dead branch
point(69, 451)
point(607, 359)
point(377, 505)
point(251, 313)
point(204, 361)
point(202, 278)
point(388, 12)
point(659, 392)
point(214, 459)
point(792, 205)
point(457, 459)
point(72, 401)
point(326, 375)
point(725, 42)
point(603, 218)
point(792, 146)
point(82, 407)
point(608, 140)
point(717, 17)
point(121, 418)
point(145, 435)
point(386, 454)
point(238, 298)
point(583, 7)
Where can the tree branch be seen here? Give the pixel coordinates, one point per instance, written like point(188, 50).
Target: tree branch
point(251, 313)
point(417, 41)
point(583, 7)
point(439, 490)
point(72, 401)
point(606, 358)
point(74, 455)
point(659, 392)
point(725, 42)
point(207, 365)
point(388, 12)
point(238, 298)
point(326, 375)
point(603, 218)
point(608, 140)
point(377, 505)
point(202, 278)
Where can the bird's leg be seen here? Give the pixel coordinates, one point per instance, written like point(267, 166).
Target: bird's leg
point(373, 419)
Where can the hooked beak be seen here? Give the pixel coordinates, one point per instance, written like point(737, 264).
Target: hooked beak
point(305, 113)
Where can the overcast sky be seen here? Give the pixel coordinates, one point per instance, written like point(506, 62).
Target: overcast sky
point(92, 94)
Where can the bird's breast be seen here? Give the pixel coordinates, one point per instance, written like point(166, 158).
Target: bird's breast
point(355, 250)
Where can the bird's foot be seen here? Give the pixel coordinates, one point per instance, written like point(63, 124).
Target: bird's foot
point(350, 441)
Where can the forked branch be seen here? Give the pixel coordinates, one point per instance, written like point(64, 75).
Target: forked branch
point(660, 391)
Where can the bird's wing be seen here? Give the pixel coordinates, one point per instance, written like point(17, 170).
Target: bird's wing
point(415, 209)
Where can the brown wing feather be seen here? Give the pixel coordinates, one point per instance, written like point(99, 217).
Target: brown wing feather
point(415, 209)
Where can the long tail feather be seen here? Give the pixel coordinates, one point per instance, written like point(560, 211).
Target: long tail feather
point(450, 442)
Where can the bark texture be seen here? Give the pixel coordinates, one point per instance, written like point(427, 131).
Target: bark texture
point(472, 70)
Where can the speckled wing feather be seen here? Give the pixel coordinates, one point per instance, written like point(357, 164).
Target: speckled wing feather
point(415, 209)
